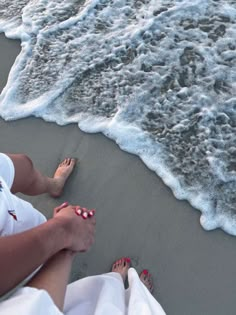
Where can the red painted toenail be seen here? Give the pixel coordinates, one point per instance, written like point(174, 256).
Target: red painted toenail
point(145, 271)
point(128, 260)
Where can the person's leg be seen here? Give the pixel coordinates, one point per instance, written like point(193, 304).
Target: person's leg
point(53, 277)
point(30, 181)
point(100, 294)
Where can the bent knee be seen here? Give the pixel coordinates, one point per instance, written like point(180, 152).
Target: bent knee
point(21, 158)
point(24, 170)
point(26, 160)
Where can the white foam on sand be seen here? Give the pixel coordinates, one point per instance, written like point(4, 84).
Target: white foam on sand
point(158, 77)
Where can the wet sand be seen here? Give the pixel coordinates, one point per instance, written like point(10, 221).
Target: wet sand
point(137, 215)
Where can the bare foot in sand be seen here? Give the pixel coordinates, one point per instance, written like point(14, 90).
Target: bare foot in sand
point(146, 279)
point(121, 266)
point(62, 173)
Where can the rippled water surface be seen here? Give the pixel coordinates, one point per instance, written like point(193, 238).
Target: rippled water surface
point(158, 77)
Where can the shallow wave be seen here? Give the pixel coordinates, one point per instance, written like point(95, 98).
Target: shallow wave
point(158, 77)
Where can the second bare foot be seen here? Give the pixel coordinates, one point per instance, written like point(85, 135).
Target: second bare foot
point(62, 173)
point(146, 279)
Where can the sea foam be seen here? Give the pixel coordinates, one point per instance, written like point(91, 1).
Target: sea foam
point(158, 77)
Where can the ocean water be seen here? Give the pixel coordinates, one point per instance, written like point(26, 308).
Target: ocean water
point(156, 76)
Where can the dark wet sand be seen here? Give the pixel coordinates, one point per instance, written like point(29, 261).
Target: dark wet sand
point(137, 215)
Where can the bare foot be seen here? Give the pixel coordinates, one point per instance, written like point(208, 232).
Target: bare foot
point(146, 279)
point(121, 266)
point(63, 171)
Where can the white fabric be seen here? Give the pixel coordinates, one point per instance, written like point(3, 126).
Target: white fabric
point(105, 295)
point(16, 215)
point(7, 170)
point(96, 295)
point(29, 301)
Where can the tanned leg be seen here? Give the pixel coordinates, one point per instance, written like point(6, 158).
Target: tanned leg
point(30, 181)
point(53, 277)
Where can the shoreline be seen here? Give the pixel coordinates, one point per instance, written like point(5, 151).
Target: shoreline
point(137, 215)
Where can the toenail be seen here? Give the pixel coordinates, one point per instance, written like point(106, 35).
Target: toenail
point(145, 271)
point(128, 260)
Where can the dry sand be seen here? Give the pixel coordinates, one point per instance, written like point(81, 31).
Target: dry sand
point(137, 215)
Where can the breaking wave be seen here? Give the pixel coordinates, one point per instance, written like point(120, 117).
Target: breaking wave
point(158, 77)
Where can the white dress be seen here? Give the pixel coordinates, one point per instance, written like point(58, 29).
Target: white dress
point(96, 295)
